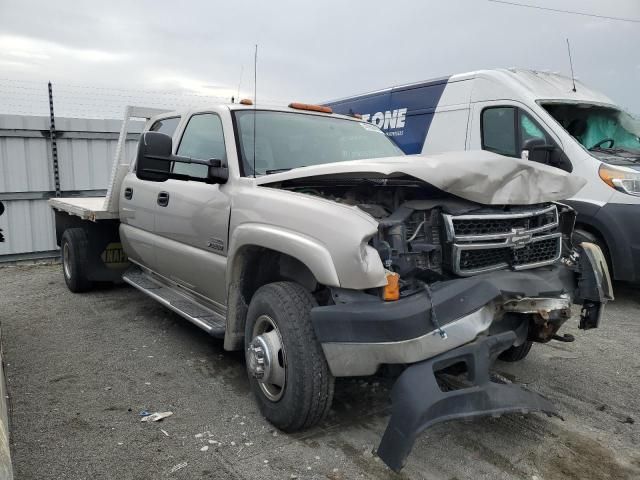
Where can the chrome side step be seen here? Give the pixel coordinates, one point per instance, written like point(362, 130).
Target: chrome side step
point(183, 304)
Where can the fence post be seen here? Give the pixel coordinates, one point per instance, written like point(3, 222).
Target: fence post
point(54, 144)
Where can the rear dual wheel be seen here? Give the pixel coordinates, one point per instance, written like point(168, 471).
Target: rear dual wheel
point(75, 266)
point(287, 369)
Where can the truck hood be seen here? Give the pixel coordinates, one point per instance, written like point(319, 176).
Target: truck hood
point(477, 176)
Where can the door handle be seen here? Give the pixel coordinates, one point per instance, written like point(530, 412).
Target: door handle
point(128, 193)
point(163, 199)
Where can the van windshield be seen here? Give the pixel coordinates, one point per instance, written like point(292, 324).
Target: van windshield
point(286, 140)
point(598, 128)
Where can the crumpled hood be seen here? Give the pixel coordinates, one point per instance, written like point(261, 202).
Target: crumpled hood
point(477, 176)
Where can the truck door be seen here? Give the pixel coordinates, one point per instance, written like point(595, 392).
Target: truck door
point(192, 217)
point(138, 208)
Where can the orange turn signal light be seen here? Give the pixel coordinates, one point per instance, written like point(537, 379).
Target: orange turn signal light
point(391, 291)
point(246, 101)
point(309, 107)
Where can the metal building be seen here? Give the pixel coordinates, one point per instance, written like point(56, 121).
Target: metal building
point(86, 149)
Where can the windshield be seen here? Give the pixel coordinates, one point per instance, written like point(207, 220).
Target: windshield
point(597, 127)
point(286, 140)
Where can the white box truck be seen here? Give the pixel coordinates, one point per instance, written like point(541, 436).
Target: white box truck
point(541, 116)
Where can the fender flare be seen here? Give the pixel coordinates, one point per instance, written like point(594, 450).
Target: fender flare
point(306, 249)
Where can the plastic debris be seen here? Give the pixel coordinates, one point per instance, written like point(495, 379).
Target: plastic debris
point(165, 432)
point(177, 467)
point(205, 448)
point(144, 413)
point(156, 417)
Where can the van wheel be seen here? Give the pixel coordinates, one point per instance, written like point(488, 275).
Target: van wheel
point(75, 265)
point(287, 370)
point(515, 354)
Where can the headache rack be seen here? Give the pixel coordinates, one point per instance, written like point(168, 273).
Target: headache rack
point(519, 240)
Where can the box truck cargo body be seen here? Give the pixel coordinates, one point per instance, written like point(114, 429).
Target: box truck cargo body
point(527, 114)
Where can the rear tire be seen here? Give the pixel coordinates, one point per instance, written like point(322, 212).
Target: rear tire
point(515, 354)
point(300, 392)
point(75, 266)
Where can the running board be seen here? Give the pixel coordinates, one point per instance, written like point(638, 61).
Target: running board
point(183, 304)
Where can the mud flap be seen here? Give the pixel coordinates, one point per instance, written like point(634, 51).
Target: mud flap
point(418, 402)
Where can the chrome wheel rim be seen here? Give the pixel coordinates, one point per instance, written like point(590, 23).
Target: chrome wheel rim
point(65, 261)
point(266, 358)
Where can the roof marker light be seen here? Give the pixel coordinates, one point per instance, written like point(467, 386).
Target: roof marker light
point(246, 101)
point(309, 107)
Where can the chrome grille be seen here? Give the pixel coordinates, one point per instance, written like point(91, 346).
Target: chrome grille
point(518, 240)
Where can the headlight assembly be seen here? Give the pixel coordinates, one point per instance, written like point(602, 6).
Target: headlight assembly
point(623, 179)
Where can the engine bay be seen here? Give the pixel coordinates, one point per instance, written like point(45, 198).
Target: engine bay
point(426, 235)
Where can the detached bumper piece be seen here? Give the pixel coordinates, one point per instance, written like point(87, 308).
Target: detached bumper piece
point(419, 402)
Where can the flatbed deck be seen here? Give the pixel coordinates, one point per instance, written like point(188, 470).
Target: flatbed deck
point(87, 208)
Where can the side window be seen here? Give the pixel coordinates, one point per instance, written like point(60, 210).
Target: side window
point(529, 129)
point(202, 139)
point(498, 130)
point(166, 126)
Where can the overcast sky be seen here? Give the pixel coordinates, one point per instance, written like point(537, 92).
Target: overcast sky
point(308, 50)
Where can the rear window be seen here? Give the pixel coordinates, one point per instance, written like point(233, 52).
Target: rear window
point(166, 125)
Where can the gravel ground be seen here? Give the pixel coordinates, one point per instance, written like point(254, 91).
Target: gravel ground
point(80, 368)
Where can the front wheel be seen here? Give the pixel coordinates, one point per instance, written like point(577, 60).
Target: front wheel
point(515, 354)
point(287, 370)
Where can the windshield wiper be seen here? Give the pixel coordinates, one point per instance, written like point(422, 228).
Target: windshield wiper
point(278, 170)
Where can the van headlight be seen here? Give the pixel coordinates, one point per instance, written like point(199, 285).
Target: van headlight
point(623, 179)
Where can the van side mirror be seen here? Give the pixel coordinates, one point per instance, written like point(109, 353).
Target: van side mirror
point(153, 160)
point(538, 150)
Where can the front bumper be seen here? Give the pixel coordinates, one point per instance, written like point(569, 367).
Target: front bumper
point(361, 335)
point(358, 337)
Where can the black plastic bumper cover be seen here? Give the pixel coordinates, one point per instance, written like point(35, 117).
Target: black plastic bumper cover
point(378, 321)
point(418, 401)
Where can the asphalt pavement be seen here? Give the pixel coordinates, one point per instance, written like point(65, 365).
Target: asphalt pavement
point(81, 367)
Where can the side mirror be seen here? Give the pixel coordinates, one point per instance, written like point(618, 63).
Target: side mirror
point(218, 173)
point(153, 161)
point(537, 150)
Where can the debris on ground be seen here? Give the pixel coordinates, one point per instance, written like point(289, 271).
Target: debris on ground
point(156, 417)
point(177, 467)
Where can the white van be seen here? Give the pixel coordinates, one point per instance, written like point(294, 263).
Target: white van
point(535, 115)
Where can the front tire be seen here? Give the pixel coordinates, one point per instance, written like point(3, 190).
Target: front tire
point(75, 266)
point(515, 354)
point(287, 369)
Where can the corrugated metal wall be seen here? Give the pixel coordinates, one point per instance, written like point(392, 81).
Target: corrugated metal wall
point(85, 154)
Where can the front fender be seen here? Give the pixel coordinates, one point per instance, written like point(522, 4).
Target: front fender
point(302, 247)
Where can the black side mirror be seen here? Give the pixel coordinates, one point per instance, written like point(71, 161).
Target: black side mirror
point(218, 173)
point(153, 161)
point(538, 150)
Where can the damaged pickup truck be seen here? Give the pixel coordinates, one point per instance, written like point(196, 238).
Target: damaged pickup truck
point(311, 242)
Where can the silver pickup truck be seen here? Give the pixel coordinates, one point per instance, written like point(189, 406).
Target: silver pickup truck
point(310, 241)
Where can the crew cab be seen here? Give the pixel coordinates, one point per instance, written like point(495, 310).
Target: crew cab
point(311, 242)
